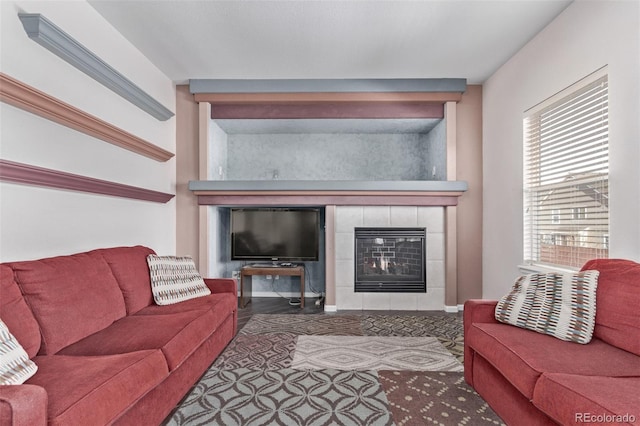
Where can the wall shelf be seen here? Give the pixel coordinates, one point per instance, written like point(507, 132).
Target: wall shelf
point(26, 174)
point(23, 96)
point(307, 192)
point(52, 38)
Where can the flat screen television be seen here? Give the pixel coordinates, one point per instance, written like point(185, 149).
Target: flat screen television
point(275, 234)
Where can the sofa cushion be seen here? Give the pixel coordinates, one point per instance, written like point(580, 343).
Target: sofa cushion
point(177, 335)
point(562, 305)
point(618, 298)
point(81, 283)
point(175, 279)
point(129, 266)
point(15, 365)
point(220, 303)
point(16, 314)
point(96, 389)
point(571, 399)
point(523, 355)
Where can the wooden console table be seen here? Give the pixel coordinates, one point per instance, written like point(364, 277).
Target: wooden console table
point(249, 271)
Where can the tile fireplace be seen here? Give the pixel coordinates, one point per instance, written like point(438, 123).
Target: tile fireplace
point(427, 218)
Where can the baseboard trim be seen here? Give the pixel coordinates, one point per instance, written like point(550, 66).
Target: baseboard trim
point(330, 308)
point(451, 309)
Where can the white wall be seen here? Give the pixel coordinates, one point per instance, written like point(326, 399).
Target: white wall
point(38, 222)
point(585, 37)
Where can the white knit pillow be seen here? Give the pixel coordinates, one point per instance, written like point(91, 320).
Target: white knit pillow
point(175, 279)
point(562, 305)
point(15, 365)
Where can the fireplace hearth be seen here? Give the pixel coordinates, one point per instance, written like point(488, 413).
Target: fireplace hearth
point(390, 260)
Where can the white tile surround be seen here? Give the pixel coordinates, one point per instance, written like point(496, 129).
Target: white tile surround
point(349, 217)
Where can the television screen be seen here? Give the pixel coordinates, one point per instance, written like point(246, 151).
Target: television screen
point(275, 234)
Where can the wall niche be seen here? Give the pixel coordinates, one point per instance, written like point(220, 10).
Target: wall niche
point(328, 149)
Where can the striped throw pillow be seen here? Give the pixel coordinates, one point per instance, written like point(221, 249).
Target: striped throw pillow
point(562, 305)
point(175, 279)
point(15, 365)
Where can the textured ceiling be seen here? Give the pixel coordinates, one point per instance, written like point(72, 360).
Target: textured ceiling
point(329, 39)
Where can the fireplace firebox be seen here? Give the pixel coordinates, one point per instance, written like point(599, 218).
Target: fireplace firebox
point(390, 260)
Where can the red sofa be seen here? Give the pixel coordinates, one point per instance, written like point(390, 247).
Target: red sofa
point(106, 353)
point(530, 378)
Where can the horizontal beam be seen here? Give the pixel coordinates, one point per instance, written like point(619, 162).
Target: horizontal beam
point(328, 85)
point(26, 174)
point(327, 105)
point(338, 199)
point(327, 110)
point(410, 187)
point(52, 38)
point(327, 97)
point(355, 193)
point(23, 96)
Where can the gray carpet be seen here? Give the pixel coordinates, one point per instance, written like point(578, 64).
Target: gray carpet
point(258, 381)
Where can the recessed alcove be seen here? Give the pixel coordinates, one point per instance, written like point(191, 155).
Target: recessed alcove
point(263, 286)
point(328, 149)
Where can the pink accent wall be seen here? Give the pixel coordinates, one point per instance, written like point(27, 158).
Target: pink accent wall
point(330, 110)
point(469, 169)
point(187, 168)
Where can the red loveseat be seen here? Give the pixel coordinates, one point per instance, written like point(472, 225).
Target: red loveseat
point(106, 353)
point(530, 378)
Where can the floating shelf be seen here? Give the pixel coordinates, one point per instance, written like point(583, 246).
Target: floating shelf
point(52, 38)
point(26, 174)
point(23, 96)
point(313, 192)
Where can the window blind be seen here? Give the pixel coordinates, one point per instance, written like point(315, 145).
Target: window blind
point(566, 176)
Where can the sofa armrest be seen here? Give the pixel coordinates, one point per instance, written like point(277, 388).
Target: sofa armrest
point(23, 405)
point(475, 311)
point(479, 310)
point(222, 285)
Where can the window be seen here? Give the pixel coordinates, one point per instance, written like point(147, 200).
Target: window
point(579, 213)
point(566, 175)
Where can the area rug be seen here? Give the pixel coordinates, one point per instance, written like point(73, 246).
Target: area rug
point(315, 324)
point(285, 397)
point(446, 327)
point(270, 351)
point(372, 353)
point(434, 398)
point(257, 380)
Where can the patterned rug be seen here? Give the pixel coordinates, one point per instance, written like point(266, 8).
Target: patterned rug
point(372, 353)
point(285, 397)
point(440, 398)
point(311, 325)
point(268, 376)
